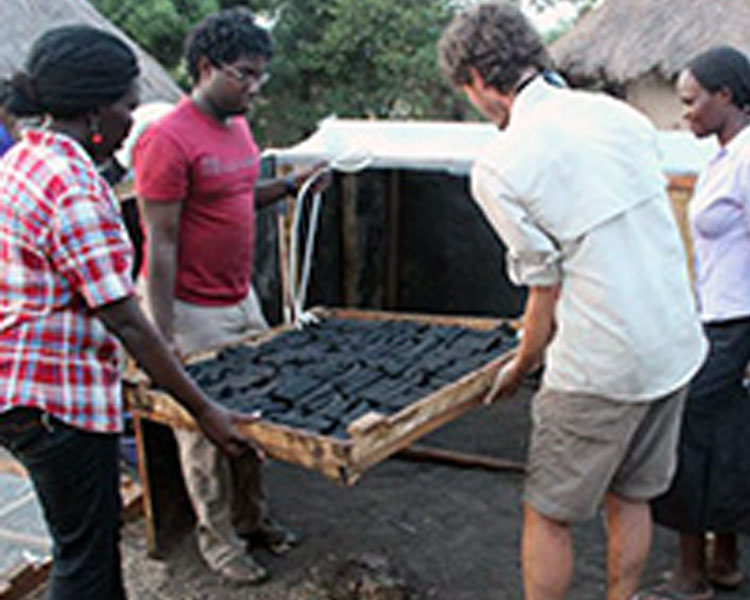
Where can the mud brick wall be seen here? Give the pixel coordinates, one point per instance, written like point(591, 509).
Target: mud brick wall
point(324, 377)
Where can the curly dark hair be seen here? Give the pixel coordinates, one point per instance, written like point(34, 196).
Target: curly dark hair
point(497, 40)
point(225, 36)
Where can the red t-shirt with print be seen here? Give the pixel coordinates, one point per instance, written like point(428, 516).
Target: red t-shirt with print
point(211, 168)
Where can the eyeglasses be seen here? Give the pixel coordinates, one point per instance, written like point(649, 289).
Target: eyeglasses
point(245, 75)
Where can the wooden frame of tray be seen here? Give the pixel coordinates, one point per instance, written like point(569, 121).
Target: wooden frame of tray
point(373, 436)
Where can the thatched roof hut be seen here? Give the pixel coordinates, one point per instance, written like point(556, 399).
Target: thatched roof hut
point(636, 48)
point(22, 21)
point(624, 39)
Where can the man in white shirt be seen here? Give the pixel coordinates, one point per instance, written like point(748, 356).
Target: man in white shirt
point(574, 188)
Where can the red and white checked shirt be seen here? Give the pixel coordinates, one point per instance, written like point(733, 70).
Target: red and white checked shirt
point(63, 252)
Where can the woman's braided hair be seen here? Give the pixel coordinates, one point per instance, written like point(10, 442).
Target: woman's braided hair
point(69, 71)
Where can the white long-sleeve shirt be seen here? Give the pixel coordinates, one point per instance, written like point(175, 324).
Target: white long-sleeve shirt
point(575, 190)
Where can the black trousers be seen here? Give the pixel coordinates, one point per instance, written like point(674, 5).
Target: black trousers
point(76, 477)
point(711, 489)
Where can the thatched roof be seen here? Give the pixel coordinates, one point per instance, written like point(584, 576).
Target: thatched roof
point(22, 21)
point(624, 39)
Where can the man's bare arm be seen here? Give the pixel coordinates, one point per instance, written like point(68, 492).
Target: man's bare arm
point(162, 222)
point(538, 330)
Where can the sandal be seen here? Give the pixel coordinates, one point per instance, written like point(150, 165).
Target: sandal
point(722, 563)
point(727, 579)
point(666, 592)
point(273, 536)
point(243, 570)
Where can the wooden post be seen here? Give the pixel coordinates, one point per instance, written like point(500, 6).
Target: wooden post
point(349, 237)
point(284, 218)
point(149, 501)
point(283, 247)
point(167, 509)
point(393, 223)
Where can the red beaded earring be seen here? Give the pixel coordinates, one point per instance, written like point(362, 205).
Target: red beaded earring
point(95, 134)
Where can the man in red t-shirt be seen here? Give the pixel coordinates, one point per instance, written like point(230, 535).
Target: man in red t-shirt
point(197, 182)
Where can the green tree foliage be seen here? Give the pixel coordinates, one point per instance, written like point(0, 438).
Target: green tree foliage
point(157, 25)
point(352, 58)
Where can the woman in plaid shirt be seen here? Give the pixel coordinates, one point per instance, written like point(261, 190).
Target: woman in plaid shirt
point(66, 295)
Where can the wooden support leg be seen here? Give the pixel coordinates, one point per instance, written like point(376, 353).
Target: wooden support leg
point(149, 502)
point(166, 506)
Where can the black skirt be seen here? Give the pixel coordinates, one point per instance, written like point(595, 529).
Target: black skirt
point(711, 489)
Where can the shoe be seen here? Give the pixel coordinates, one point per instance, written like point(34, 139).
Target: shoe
point(727, 579)
point(722, 563)
point(665, 591)
point(243, 570)
point(272, 536)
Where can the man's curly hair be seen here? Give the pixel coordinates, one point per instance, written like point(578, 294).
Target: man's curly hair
point(494, 38)
point(225, 36)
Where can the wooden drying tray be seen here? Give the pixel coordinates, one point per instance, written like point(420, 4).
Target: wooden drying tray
point(373, 436)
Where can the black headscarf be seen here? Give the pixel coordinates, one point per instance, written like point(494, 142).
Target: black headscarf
point(71, 70)
point(724, 67)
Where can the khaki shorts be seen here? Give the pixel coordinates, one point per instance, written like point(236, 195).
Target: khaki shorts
point(584, 446)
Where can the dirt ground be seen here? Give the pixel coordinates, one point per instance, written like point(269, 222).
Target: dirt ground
point(407, 530)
